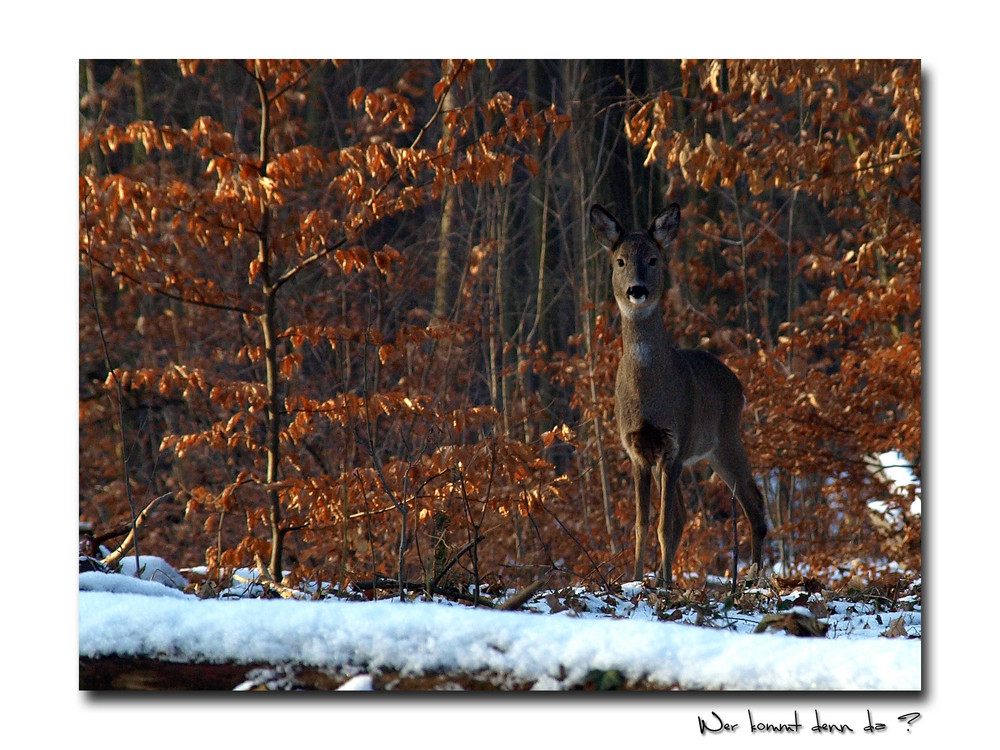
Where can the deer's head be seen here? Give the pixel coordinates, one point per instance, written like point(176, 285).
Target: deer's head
point(638, 259)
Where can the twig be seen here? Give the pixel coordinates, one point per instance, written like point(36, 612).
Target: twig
point(455, 559)
point(569, 533)
point(264, 578)
point(377, 462)
point(392, 584)
point(294, 270)
point(444, 95)
point(736, 541)
point(521, 598)
point(121, 397)
point(150, 286)
point(127, 542)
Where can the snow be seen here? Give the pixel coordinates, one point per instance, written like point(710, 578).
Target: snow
point(894, 467)
point(132, 617)
point(152, 568)
point(358, 682)
point(95, 581)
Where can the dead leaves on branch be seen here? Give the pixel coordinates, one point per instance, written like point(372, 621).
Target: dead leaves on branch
point(760, 151)
point(372, 403)
point(375, 178)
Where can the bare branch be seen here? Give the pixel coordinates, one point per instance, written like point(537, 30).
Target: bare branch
point(148, 286)
point(127, 542)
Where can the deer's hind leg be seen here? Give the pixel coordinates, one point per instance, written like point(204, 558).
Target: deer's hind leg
point(730, 462)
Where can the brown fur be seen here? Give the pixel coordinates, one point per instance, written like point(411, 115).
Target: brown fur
point(673, 407)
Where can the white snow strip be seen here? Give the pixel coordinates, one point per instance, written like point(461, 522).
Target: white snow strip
point(420, 637)
point(119, 584)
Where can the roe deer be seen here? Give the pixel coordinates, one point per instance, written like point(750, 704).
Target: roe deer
point(673, 407)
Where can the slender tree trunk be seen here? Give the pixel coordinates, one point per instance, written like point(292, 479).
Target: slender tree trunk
point(95, 110)
point(269, 331)
point(272, 445)
point(139, 154)
point(580, 195)
point(537, 209)
point(504, 295)
point(442, 271)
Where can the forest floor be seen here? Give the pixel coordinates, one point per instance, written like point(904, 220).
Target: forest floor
point(145, 634)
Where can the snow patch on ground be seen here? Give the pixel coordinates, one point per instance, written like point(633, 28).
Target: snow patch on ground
point(114, 584)
point(152, 568)
point(552, 651)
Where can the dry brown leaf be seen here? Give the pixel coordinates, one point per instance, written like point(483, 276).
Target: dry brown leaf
point(793, 623)
point(896, 629)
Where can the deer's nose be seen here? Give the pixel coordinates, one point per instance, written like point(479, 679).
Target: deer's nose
point(637, 293)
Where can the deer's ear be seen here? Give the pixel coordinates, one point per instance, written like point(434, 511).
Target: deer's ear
point(664, 226)
point(606, 228)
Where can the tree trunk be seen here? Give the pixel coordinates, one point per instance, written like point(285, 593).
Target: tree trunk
point(442, 271)
point(580, 194)
point(269, 331)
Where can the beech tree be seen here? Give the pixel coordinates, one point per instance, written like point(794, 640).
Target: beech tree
point(349, 314)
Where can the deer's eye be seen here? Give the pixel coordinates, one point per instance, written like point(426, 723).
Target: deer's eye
point(652, 261)
point(620, 262)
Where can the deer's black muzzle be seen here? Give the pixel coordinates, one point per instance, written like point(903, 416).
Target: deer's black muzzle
point(637, 293)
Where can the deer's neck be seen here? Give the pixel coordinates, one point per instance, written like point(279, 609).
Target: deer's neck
point(644, 337)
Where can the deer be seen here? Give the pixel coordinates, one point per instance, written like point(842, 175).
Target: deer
point(673, 407)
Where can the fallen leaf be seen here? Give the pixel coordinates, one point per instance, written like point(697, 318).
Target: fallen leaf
point(896, 629)
point(799, 623)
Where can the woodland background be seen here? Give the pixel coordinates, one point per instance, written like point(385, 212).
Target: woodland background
point(348, 318)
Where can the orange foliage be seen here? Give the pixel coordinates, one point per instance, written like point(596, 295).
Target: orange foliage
point(487, 440)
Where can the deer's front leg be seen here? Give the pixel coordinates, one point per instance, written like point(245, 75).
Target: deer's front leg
point(641, 475)
point(671, 521)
